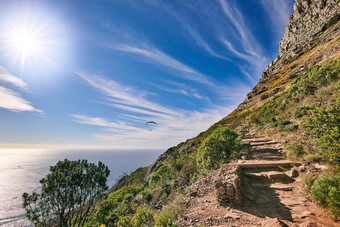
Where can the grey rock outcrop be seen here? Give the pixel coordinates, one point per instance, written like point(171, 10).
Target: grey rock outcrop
point(312, 22)
point(309, 19)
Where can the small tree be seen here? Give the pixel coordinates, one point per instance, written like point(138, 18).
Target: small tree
point(221, 146)
point(68, 193)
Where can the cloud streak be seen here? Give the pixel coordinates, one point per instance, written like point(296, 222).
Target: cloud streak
point(119, 95)
point(6, 77)
point(161, 58)
point(279, 12)
point(134, 109)
point(12, 101)
point(250, 49)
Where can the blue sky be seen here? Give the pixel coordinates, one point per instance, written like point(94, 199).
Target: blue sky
point(92, 73)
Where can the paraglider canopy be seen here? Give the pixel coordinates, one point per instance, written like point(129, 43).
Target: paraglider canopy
point(150, 122)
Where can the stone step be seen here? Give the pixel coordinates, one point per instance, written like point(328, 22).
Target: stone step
point(276, 186)
point(254, 164)
point(281, 187)
point(263, 143)
point(272, 158)
point(268, 155)
point(252, 137)
point(254, 176)
point(251, 140)
point(267, 150)
point(272, 176)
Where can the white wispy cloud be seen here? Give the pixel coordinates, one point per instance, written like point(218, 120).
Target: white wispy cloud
point(279, 12)
point(12, 101)
point(248, 48)
point(6, 77)
point(180, 88)
point(202, 43)
point(168, 132)
point(128, 128)
point(161, 58)
point(123, 95)
point(235, 17)
point(184, 71)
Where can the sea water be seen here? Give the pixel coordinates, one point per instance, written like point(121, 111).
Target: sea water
point(21, 170)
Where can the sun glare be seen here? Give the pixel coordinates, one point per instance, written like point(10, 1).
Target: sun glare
point(33, 40)
point(25, 42)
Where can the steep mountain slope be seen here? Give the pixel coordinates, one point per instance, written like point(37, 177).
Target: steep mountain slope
point(311, 39)
point(296, 103)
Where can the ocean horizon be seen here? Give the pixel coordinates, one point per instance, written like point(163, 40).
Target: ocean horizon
point(21, 170)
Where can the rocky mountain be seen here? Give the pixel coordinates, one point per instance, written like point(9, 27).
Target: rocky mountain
point(308, 26)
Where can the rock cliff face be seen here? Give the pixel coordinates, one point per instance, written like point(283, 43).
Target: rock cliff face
point(312, 22)
point(310, 18)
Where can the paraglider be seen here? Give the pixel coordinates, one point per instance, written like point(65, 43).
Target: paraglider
point(150, 122)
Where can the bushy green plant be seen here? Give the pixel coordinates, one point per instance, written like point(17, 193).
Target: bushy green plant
point(167, 216)
point(125, 221)
point(164, 178)
point(324, 125)
point(221, 146)
point(119, 203)
point(143, 217)
point(326, 192)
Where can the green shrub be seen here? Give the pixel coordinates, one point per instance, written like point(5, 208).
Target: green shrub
point(125, 221)
point(143, 217)
point(323, 124)
point(221, 146)
point(119, 203)
point(166, 217)
point(326, 192)
point(164, 178)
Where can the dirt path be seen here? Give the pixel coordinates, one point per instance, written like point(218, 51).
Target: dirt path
point(272, 191)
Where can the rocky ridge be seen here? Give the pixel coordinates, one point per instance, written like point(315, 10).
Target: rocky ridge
point(312, 23)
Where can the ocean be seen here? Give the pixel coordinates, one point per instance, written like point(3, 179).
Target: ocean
point(21, 170)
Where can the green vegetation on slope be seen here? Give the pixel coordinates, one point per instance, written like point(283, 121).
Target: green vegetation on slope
point(326, 192)
point(304, 114)
point(309, 109)
point(158, 201)
point(218, 148)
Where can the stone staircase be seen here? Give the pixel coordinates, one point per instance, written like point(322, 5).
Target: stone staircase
point(262, 189)
point(267, 177)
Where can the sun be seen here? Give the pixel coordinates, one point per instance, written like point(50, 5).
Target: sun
point(25, 42)
point(34, 39)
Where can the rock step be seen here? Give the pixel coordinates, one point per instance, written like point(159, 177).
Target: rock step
point(267, 150)
point(276, 186)
point(263, 143)
point(249, 140)
point(252, 164)
point(270, 176)
point(268, 157)
point(250, 137)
